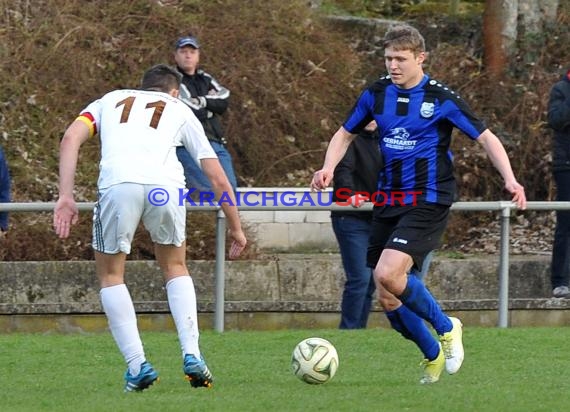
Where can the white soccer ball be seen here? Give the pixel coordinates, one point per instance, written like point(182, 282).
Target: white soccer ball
point(314, 360)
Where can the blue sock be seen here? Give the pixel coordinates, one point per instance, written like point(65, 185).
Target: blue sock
point(418, 299)
point(412, 327)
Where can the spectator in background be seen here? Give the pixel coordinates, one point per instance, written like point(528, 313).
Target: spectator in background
point(208, 99)
point(358, 172)
point(4, 191)
point(559, 121)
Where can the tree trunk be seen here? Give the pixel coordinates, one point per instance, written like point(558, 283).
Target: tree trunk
point(550, 10)
point(531, 19)
point(537, 15)
point(499, 34)
point(535, 19)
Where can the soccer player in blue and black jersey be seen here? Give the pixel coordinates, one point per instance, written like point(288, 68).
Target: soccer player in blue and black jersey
point(415, 115)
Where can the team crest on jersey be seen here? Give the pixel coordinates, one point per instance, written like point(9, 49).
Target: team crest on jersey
point(427, 109)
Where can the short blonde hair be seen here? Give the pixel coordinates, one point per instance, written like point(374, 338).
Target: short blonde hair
point(404, 37)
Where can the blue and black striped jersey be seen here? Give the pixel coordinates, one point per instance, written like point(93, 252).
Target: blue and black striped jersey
point(415, 127)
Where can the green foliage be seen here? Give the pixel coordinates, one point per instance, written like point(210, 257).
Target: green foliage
point(449, 7)
point(397, 8)
point(504, 370)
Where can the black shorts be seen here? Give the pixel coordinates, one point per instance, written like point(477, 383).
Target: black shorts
point(414, 230)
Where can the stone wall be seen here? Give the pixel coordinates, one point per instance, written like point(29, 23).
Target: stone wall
point(288, 230)
point(285, 291)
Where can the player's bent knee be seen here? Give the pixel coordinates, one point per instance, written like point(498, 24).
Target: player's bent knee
point(389, 305)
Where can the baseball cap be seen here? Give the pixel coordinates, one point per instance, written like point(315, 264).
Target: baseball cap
point(187, 41)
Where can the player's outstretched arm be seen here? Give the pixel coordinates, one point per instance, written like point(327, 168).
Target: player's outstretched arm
point(221, 185)
point(65, 212)
point(335, 152)
point(496, 152)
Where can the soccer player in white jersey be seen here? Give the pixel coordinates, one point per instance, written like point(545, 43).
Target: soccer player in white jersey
point(140, 178)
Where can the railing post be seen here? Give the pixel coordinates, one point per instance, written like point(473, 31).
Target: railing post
point(504, 266)
point(219, 271)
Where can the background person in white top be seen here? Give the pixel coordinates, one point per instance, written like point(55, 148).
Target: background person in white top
point(139, 132)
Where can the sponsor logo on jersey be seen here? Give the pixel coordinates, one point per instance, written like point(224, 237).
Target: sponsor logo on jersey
point(398, 138)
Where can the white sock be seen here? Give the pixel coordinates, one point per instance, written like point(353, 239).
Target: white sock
point(182, 302)
point(118, 307)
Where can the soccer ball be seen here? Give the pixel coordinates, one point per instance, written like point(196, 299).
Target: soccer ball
point(314, 360)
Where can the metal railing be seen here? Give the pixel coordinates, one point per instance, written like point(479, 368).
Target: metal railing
point(504, 207)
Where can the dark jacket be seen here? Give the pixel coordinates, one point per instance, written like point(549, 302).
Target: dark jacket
point(358, 172)
point(4, 190)
point(207, 99)
point(559, 121)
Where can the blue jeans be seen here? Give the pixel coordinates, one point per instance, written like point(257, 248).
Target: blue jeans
point(560, 268)
point(352, 236)
point(195, 178)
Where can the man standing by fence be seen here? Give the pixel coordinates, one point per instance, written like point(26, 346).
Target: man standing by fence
point(559, 121)
point(5, 184)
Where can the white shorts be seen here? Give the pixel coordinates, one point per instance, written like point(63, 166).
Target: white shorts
point(120, 209)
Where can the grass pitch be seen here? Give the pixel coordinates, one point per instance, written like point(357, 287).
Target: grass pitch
point(504, 370)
